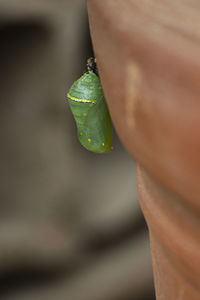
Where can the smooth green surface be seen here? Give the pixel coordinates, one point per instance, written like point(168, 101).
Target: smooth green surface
point(92, 119)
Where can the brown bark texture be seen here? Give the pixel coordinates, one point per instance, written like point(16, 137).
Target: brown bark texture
point(148, 58)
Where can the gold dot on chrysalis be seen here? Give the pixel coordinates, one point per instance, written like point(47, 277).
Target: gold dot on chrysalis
point(81, 133)
point(89, 140)
point(103, 144)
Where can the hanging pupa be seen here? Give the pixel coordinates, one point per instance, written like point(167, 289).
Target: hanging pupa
point(87, 103)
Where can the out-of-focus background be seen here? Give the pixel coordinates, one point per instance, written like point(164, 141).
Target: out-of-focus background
point(70, 222)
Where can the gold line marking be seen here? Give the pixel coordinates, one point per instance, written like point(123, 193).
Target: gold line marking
point(80, 100)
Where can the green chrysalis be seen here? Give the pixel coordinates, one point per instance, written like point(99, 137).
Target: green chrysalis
point(87, 103)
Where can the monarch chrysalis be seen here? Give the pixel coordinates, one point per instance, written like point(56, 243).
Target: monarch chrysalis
point(87, 103)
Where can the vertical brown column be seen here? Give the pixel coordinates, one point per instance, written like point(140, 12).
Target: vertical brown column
point(148, 54)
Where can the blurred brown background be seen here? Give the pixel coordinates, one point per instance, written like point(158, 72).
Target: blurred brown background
point(70, 226)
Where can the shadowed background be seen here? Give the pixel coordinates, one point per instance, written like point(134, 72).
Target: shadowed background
point(70, 223)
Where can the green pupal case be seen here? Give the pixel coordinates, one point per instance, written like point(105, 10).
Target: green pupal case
point(87, 102)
